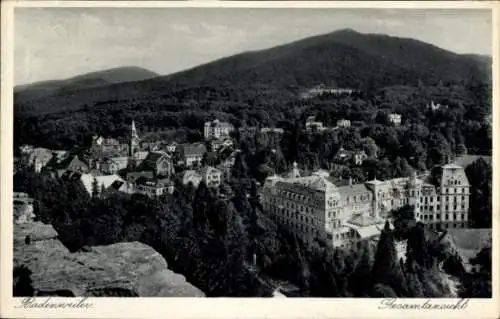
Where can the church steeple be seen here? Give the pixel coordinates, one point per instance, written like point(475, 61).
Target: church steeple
point(134, 140)
point(134, 131)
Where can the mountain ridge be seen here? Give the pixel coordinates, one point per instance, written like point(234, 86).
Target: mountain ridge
point(344, 58)
point(83, 81)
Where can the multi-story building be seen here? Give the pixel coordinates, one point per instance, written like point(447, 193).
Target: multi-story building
point(312, 125)
point(158, 162)
point(211, 176)
point(275, 130)
point(190, 154)
point(344, 156)
point(153, 186)
point(112, 165)
point(315, 208)
point(395, 119)
point(190, 176)
point(217, 129)
point(343, 123)
point(448, 205)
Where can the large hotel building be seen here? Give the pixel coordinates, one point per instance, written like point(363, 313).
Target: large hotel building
point(315, 208)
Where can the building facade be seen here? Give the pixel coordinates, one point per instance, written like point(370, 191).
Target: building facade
point(314, 126)
point(316, 209)
point(343, 123)
point(217, 129)
point(190, 154)
point(211, 176)
point(395, 119)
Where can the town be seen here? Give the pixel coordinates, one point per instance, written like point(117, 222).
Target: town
point(314, 205)
point(341, 165)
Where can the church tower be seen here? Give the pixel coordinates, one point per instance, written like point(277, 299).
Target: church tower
point(133, 145)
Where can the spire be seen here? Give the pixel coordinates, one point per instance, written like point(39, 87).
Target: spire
point(134, 131)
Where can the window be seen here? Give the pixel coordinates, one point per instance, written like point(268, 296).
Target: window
point(438, 207)
point(446, 217)
point(454, 216)
point(438, 216)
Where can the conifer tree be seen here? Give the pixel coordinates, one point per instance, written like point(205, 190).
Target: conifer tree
point(361, 279)
point(95, 188)
point(386, 269)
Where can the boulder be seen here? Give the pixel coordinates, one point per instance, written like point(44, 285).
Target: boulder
point(121, 269)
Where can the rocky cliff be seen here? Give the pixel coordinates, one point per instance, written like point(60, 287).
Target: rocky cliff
point(44, 266)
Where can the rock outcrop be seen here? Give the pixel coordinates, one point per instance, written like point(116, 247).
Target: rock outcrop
point(44, 266)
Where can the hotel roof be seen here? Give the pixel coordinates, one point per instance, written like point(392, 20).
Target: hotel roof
point(353, 189)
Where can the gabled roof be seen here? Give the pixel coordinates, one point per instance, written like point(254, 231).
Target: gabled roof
point(192, 149)
point(154, 157)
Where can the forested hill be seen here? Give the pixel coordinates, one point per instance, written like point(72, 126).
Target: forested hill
point(25, 93)
point(343, 58)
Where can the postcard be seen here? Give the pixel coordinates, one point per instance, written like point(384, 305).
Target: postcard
point(235, 159)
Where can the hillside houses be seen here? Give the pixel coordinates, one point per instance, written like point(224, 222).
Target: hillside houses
point(158, 162)
point(217, 129)
point(190, 155)
point(344, 156)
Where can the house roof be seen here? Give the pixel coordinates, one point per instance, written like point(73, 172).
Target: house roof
point(190, 175)
point(153, 182)
point(207, 169)
point(368, 231)
point(353, 189)
point(193, 149)
point(135, 175)
point(41, 153)
point(106, 180)
point(363, 220)
point(119, 159)
point(154, 157)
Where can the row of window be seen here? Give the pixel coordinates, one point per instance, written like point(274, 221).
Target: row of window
point(446, 226)
point(293, 215)
point(455, 190)
point(298, 197)
point(297, 226)
point(358, 198)
point(446, 216)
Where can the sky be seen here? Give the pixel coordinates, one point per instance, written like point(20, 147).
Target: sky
point(59, 43)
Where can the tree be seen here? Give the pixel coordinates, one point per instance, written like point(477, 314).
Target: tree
point(479, 174)
point(95, 188)
point(417, 247)
point(360, 281)
point(386, 269)
point(369, 146)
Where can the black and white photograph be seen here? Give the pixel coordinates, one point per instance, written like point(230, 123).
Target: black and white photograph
point(252, 152)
